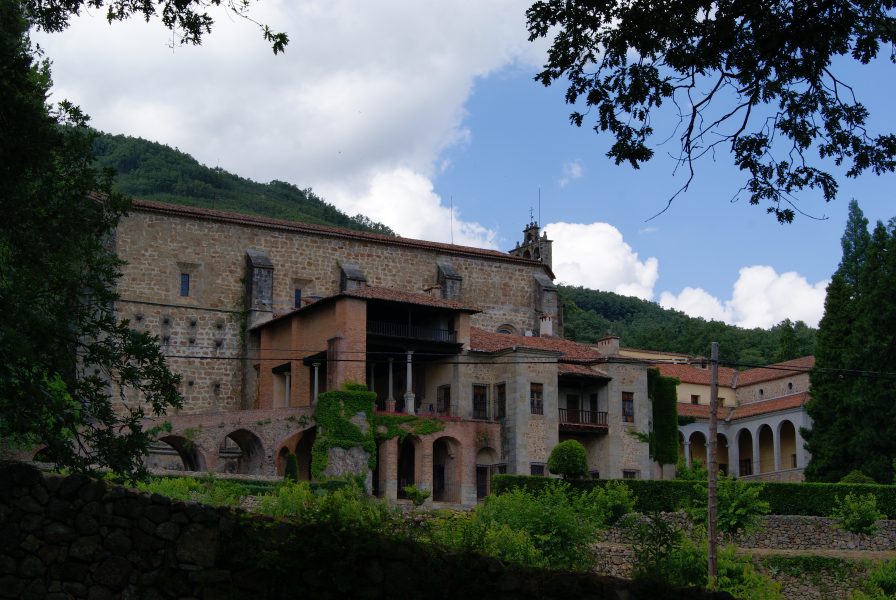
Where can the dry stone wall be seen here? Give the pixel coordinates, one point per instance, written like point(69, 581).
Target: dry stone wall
point(67, 538)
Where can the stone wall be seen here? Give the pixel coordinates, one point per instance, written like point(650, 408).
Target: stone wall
point(67, 538)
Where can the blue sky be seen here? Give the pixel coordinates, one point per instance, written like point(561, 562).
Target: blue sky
point(391, 108)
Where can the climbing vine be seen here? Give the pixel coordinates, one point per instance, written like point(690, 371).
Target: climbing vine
point(401, 426)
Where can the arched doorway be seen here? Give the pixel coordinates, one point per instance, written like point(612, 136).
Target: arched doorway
point(485, 468)
point(445, 478)
point(698, 448)
point(303, 453)
point(281, 460)
point(407, 465)
point(787, 444)
point(242, 452)
point(766, 449)
point(722, 454)
point(745, 452)
point(185, 454)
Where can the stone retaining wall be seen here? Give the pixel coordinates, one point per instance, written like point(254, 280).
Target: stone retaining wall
point(67, 538)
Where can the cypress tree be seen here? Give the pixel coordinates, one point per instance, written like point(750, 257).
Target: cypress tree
point(854, 242)
point(291, 470)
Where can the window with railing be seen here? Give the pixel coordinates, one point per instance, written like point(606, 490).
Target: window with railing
point(443, 400)
point(537, 469)
point(536, 398)
point(403, 330)
point(630, 474)
point(628, 407)
point(583, 417)
point(500, 401)
point(480, 402)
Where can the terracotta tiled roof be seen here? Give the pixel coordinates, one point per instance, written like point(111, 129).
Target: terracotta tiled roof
point(392, 295)
point(654, 352)
point(690, 374)
point(701, 411)
point(280, 224)
point(487, 341)
point(800, 365)
point(582, 370)
point(769, 406)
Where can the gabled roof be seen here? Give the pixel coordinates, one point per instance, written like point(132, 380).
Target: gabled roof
point(581, 371)
point(362, 236)
point(768, 406)
point(776, 371)
point(488, 341)
point(690, 374)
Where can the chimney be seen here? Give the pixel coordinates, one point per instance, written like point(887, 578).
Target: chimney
point(609, 344)
point(547, 326)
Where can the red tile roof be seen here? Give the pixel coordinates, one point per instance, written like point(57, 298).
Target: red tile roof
point(392, 295)
point(254, 221)
point(582, 370)
point(691, 374)
point(655, 352)
point(776, 371)
point(487, 341)
point(701, 411)
point(769, 406)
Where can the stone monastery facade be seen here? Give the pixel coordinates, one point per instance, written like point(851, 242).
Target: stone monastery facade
point(260, 315)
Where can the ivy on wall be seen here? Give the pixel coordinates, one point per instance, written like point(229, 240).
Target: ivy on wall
point(664, 394)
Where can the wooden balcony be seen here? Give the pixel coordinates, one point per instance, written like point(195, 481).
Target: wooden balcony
point(412, 332)
point(583, 421)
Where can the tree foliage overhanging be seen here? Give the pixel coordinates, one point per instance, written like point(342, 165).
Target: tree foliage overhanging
point(64, 356)
point(154, 171)
point(742, 75)
point(854, 418)
point(588, 314)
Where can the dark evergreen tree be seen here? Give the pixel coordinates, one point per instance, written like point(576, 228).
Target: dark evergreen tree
point(855, 242)
point(788, 344)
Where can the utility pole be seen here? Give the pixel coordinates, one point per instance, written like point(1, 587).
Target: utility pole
point(712, 525)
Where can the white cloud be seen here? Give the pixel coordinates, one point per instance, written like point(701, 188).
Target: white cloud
point(649, 230)
point(760, 298)
point(571, 171)
point(595, 256)
point(366, 97)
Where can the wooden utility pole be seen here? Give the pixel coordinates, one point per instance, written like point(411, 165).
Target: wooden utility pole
point(712, 525)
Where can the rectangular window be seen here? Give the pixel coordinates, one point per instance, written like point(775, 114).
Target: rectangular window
point(502, 469)
point(500, 401)
point(628, 407)
point(629, 474)
point(480, 402)
point(443, 400)
point(537, 469)
point(721, 401)
point(184, 284)
point(593, 401)
point(298, 299)
point(594, 474)
point(536, 401)
point(695, 399)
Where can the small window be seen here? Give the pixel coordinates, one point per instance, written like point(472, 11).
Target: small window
point(593, 474)
point(695, 399)
point(504, 331)
point(501, 470)
point(537, 469)
point(443, 400)
point(761, 392)
point(536, 399)
point(298, 299)
point(627, 474)
point(789, 386)
point(184, 284)
point(721, 401)
point(500, 401)
point(480, 402)
point(628, 407)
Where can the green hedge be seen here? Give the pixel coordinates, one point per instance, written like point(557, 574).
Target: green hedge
point(804, 499)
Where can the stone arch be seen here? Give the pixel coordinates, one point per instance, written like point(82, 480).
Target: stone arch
point(766, 438)
point(446, 476)
point(242, 451)
point(409, 463)
point(722, 453)
point(745, 452)
point(507, 328)
point(190, 455)
point(787, 444)
point(527, 254)
point(281, 460)
point(300, 444)
point(697, 447)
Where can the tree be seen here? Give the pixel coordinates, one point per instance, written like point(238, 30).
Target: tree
point(187, 15)
point(855, 242)
point(291, 469)
point(64, 356)
point(788, 345)
point(569, 460)
point(742, 75)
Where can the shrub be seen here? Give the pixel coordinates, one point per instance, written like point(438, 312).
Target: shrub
point(655, 542)
point(291, 470)
point(858, 514)
point(739, 506)
point(857, 477)
point(695, 472)
point(416, 495)
point(569, 460)
point(882, 578)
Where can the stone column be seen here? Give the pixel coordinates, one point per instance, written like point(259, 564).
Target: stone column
point(314, 399)
point(687, 453)
point(409, 395)
point(734, 459)
point(757, 467)
point(390, 401)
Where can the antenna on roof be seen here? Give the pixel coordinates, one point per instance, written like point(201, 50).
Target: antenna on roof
point(452, 220)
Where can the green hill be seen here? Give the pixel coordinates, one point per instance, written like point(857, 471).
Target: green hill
point(588, 314)
point(154, 171)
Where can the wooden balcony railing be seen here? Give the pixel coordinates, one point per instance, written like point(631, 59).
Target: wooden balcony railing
point(583, 417)
point(411, 332)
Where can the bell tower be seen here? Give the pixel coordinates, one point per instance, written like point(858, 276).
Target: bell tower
point(536, 245)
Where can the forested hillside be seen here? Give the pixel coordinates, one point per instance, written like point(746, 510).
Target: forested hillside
point(643, 324)
point(153, 171)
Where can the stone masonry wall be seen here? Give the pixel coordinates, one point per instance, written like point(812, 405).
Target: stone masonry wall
point(67, 538)
point(773, 389)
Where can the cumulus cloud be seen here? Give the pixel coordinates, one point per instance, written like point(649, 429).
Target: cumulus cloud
point(571, 171)
point(596, 256)
point(367, 95)
point(760, 298)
